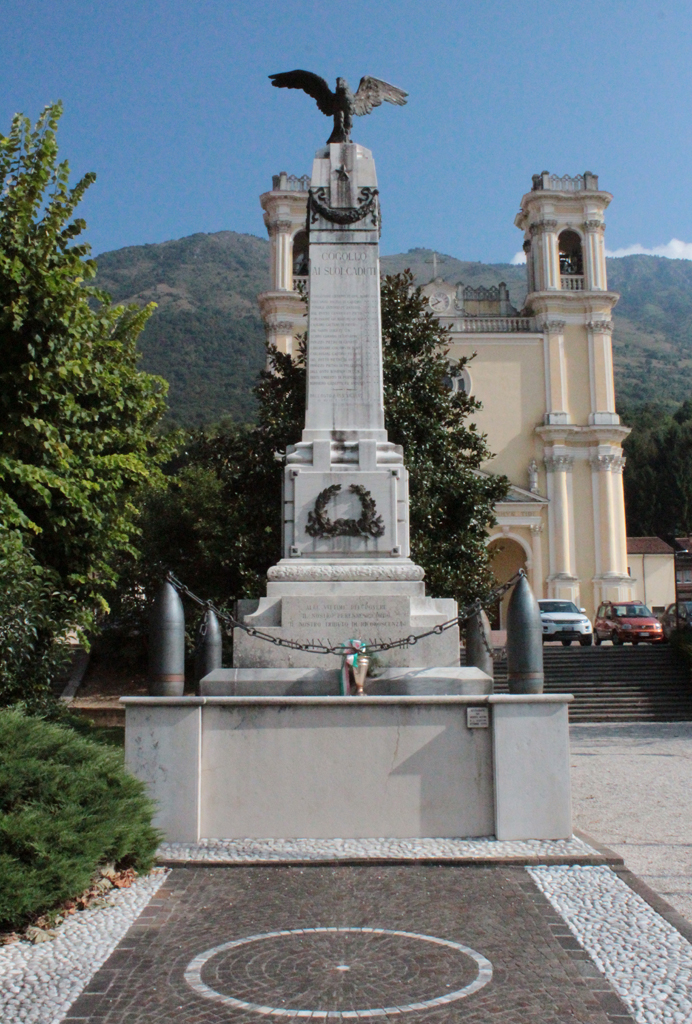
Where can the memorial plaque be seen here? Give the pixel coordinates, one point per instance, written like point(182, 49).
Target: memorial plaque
point(349, 616)
point(477, 718)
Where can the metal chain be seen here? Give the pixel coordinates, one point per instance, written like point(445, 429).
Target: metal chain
point(319, 648)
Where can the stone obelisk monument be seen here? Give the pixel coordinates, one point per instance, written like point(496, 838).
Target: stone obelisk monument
point(345, 571)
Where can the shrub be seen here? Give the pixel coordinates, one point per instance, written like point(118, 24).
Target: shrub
point(66, 805)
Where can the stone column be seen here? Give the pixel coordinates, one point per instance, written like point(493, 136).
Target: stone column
point(556, 383)
point(548, 277)
point(594, 256)
point(562, 581)
point(611, 563)
point(530, 268)
point(280, 334)
point(601, 373)
point(536, 560)
point(280, 234)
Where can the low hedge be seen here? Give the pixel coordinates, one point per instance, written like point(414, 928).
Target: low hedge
point(67, 804)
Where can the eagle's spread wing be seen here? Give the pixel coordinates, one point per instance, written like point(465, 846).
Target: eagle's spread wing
point(313, 85)
point(372, 91)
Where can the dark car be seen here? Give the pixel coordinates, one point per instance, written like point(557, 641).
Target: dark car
point(627, 622)
point(677, 617)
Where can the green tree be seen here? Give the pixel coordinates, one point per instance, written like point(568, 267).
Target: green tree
point(78, 420)
point(658, 474)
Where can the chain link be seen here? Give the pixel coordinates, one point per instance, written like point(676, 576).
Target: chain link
point(319, 648)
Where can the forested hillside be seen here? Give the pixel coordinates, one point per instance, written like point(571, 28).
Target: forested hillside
point(206, 337)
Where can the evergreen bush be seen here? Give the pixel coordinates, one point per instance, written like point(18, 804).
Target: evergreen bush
point(66, 805)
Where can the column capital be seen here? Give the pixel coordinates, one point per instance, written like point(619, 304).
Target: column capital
point(279, 326)
point(600, 326)
point(536, 529)
point(554, 326)
point(539, 226)
point(279, 227)
point(594, 225)
point(610, 463)
point(559, 463)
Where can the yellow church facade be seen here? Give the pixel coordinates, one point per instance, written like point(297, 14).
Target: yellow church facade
point(544, 376)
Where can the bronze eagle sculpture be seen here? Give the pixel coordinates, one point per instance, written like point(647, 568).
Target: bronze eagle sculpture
point(341, 104)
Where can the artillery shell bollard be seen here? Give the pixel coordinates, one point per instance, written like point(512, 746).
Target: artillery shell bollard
point(208, 650)
point(479, 648)
point(524, 641)
point(167, 644)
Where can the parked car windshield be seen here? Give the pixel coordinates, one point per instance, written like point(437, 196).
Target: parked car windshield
point(558, 606)
point(632, 611)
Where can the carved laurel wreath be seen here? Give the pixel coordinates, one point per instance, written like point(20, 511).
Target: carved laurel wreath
point(369, 525)
point(318, 206)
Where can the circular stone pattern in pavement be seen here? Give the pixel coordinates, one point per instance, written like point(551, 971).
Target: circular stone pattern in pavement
point(338, 972)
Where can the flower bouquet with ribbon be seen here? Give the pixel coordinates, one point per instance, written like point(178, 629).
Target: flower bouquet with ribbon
point(354, 663)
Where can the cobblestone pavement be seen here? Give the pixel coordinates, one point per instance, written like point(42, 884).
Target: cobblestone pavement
point(342, 953)
point(256, 851)
point(632, 790)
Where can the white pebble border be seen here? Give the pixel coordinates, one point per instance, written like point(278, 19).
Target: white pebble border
point(249, 851)
point(644, 958)
point(39, 983)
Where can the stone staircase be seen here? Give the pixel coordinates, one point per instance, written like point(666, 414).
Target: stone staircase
point(616, 684)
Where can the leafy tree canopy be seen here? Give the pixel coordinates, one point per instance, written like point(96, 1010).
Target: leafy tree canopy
point(658, 474)
point(77, 419)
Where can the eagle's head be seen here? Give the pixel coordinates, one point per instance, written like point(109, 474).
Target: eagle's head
point(341, 85)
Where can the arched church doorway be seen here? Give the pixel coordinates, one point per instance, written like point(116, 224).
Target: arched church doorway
point(507, 557)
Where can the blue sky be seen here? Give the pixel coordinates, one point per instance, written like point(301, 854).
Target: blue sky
point(170, 104)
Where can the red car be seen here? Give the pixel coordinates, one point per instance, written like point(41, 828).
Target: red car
point(626, 622)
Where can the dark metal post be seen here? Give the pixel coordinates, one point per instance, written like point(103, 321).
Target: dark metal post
point(524, 641)
point(208, 650)
point(479, 649)
point(167, 644)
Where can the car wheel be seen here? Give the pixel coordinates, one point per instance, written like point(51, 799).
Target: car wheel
point(566, 643)
point(586, 641)
point(617, 642)
point(597, 640)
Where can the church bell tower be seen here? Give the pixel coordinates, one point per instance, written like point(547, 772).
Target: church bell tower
point(563, 223)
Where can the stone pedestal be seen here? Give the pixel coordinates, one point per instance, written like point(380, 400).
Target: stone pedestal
point(345, 571)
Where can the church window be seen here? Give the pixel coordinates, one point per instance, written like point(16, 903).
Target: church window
point(461, 383)
point(571, 259)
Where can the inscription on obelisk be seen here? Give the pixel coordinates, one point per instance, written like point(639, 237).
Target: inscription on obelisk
point(344, 358)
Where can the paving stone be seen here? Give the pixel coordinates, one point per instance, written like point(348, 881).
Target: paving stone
point(495, 912)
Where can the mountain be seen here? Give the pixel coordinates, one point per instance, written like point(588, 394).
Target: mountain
point(206, 336)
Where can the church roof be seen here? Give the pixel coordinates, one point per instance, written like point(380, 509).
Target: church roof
point(648, 546)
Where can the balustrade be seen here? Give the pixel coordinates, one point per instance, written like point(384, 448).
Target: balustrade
point(496, 324)
point(572, 282)
point(290, 182)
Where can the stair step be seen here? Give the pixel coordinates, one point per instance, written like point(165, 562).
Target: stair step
point(615, 684)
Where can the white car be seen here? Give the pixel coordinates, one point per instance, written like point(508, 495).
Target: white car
point(562, 620)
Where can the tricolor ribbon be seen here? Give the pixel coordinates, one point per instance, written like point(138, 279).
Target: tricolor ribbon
point(352, 648)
